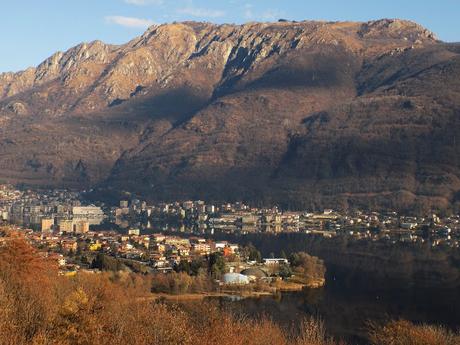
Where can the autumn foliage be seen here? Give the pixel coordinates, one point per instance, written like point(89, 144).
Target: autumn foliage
point(406, 333)
point(39, 307)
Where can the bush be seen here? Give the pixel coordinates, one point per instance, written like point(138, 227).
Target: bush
point(182, 283)
point(39, 307)
point(306, 267)
point(406, 333)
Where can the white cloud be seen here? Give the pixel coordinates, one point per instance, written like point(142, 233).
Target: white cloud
point(144, 2)
point(248, 13)
point(201, 12)
point(272, 15)
point(130, 22)
point(252, 13)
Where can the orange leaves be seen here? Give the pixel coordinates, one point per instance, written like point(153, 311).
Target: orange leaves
point(21, 262)
point(406, 333)
point(39, 307)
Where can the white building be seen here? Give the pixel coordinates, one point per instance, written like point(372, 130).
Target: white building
point(93, 214)
point(87, 212)
point(275, 261)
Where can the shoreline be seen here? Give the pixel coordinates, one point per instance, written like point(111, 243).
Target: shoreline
point(286, 287)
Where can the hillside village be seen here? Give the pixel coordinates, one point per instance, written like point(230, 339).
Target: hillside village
point(157, 238)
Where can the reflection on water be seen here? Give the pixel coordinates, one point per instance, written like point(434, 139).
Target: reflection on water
point(34, 221)
point(346, 310)
point(149, 227)
point(362, 285)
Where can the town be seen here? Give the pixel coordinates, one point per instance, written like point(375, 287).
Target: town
point(157, 238)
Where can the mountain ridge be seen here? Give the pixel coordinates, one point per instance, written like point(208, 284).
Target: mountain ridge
point(261, 111)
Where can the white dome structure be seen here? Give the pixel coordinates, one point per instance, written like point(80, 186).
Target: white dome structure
point(235, 278)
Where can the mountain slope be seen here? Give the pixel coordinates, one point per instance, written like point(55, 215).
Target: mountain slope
point(303, 114)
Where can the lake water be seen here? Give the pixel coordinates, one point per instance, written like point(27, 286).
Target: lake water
point(346, 309)
point(365, 282)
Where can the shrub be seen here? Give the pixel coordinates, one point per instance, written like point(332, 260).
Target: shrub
point(406, 333)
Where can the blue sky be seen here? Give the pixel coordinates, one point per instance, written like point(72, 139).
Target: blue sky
point(31, 30)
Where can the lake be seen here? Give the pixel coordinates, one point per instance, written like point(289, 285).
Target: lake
point(366, 281)
point(347, 308)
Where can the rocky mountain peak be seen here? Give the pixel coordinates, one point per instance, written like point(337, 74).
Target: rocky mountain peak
point(180, 43)
point(396, 28)
point(286, 111)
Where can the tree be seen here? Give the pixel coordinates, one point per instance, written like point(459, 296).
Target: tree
point(252, 253)
point(26, 309)
point(216, 265)
point(197, 266)
point(285, 271)
point(183, 266)
point(306, 266)
point(107, 263)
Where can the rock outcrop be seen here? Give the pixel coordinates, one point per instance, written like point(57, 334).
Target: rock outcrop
point(299, 113)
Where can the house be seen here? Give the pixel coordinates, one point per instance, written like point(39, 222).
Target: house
point(95, 246)
point(183, 251)
point(81, 227)
point(47, 224)
point(275, 261)
point(234, 248)
point(157, 238)
point(65, 225)
point(219, 246)
point(235, 279)
point(408, 226)
point(135, 232)
point(201, 248)
point(227, 251)
point(69, 245)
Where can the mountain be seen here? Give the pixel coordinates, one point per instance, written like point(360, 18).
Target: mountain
point(304, 114)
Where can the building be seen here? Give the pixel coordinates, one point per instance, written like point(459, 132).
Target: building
point(254, 273)
point(135, 232)
point(275, 261)
point(249, 218)
point(93, 214)
point(81, 226)
point(47, 224)
point(235, 279)
point(65, 225)
point(210, 209)
point(69, 245)
point(219, 246)
point(157, 238)
point(95, 246)
point(408, 226)
point(176, 241)
point(87, 212)
point(201, 248)
point(121, 211)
